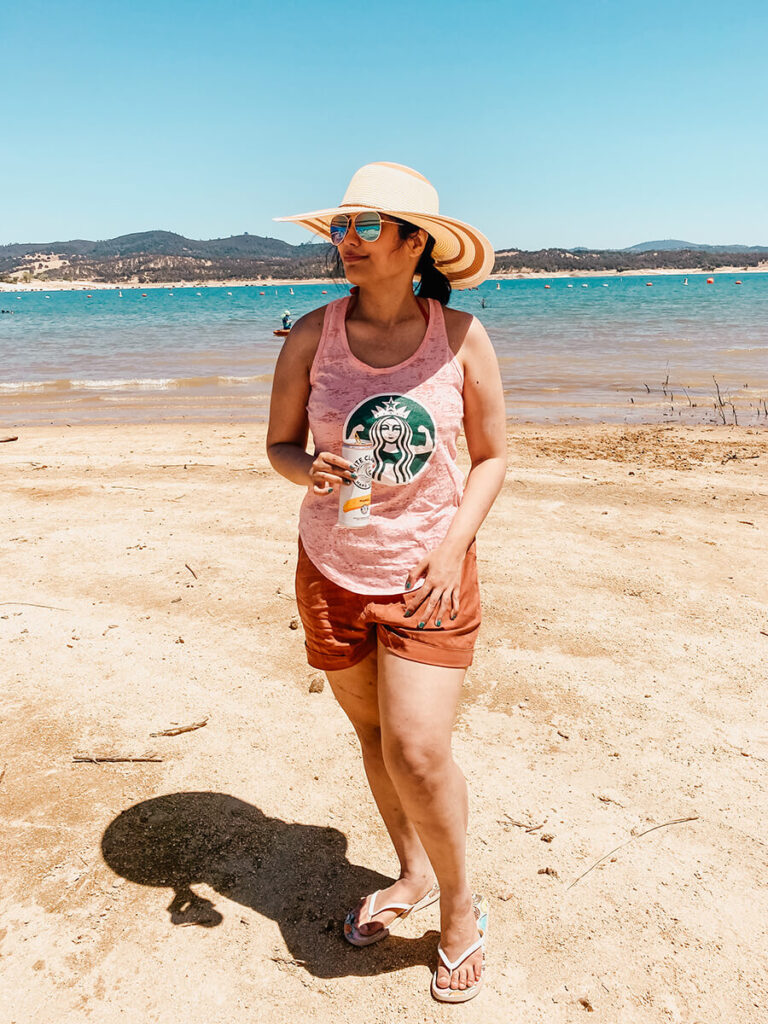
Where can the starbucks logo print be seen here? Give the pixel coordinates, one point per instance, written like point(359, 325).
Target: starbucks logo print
point(402, 432)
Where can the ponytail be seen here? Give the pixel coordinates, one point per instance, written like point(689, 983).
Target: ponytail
point(433, 284)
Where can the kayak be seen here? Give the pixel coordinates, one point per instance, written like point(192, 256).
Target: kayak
point(282, 332)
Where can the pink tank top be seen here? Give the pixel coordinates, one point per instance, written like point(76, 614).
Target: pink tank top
point(412, 413)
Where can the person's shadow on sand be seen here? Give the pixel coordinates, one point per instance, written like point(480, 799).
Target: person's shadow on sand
point(296, 874)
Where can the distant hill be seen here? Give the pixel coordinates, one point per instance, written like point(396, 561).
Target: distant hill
point(160, 243)
point(162, 256)
point(668, 244)
point(148, 256)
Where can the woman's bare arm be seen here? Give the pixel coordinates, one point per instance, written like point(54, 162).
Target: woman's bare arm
point(288, 429)
point(485, 431)
point(485, 428)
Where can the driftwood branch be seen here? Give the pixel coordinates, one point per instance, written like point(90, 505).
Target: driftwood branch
point(186, 566)
point(113, 759)
point(176, 731)
point(4, 439)
point(676, 821)
point(25, 604)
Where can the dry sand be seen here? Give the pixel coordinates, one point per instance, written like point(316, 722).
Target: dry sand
point(619, 684)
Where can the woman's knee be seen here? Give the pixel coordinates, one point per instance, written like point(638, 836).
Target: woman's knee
point(416, 759)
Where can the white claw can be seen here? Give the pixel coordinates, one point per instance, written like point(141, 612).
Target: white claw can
point(355, 498)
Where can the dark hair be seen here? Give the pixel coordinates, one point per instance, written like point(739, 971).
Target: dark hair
point(432, 285)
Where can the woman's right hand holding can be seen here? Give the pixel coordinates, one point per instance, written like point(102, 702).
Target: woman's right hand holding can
point(328, 472)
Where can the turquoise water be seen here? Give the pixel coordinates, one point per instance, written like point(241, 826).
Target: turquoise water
point(609, 348)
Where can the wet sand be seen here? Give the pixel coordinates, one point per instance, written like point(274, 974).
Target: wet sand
point(619, 685)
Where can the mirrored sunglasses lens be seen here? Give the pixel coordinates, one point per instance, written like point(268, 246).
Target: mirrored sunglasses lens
point(368, 226)
point(338, 228)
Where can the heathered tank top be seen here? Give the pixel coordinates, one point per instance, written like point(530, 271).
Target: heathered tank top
point(412, 413)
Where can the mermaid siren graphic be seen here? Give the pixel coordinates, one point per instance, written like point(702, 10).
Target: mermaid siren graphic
point(402, 432)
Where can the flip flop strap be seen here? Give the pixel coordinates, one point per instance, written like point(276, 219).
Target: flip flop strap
point(373, 910)
point(467, 952)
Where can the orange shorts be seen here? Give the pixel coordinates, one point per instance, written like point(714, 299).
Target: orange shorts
point(341, 627)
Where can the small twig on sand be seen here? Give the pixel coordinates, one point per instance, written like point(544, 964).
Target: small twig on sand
point(25, 604)
point(190, 569)
point(109, 759)
point(177, 730)
point(4, 439)
point(2, 773)
point(521, 824)
point(675, 821)
point(763, 633)
point(731, 456)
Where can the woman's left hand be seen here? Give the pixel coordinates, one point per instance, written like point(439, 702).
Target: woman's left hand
point(439, 595)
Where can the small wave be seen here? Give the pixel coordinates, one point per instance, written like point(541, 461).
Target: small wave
point(36, 385)
point(132, 384)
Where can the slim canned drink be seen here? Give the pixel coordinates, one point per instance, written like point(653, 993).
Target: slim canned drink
point(355, 498)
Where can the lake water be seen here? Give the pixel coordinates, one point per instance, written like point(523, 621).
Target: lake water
point(613, 349)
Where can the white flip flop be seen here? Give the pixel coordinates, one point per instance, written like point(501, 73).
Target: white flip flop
point(351, 933)
point(462, 995)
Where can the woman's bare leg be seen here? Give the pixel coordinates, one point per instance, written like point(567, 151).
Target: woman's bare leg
point(417, 709)
point(356, 690)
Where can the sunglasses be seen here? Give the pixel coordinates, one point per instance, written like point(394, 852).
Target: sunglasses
point(367, 225)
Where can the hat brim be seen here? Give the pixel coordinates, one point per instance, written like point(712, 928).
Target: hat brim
point(461, 252)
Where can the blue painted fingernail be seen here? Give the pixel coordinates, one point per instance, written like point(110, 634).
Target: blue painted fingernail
point(408, 615)
point(408, 585)
point(439, 622)
point(421, 625)
point(453, 616)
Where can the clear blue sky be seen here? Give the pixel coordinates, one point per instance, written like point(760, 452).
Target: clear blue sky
point(590, 123)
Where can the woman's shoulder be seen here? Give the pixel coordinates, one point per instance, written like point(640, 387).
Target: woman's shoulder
point(311, 321)
point(305, 334)
point(462, 328)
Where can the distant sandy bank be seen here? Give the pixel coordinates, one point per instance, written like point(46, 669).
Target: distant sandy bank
point(278, 282)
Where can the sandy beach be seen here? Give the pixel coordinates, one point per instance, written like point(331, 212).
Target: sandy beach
point(613, 732)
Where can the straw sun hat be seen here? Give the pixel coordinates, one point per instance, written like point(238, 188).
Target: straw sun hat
point(461, 252)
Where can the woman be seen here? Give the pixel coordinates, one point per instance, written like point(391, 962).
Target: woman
point(391, 611)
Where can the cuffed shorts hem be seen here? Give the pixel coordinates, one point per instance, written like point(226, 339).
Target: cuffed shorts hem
point(423, 651)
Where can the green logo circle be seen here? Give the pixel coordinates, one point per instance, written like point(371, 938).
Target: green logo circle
point(402, 432)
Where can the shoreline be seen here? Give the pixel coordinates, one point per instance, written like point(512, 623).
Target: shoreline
point(527, 275)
